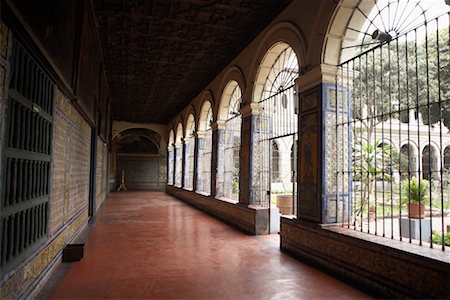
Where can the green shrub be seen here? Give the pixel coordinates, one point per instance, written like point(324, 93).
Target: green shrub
point(414, 191)
point(437, 238)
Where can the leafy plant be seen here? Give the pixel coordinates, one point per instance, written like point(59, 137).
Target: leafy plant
point(437, 238)
point(372, 162)
point(414, 190)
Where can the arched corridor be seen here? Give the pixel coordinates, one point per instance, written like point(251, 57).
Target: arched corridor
point(326, 123)
point(151, 245)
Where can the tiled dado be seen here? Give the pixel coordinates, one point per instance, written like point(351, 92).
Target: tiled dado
point(249, 220)
point(17, 284)
point(392, 272)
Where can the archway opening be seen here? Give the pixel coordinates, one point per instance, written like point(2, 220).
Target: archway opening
point(189, 142)
point(138, 156)
point(229, 143)
point(204, 136)
point(277, 130)
point(392, 84)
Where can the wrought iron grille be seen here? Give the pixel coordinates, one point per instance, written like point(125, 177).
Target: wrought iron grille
point(26, 186)
point(205, 156)
point(189, 154)
point(392, 136)
point(277, 120)
point(231, 146)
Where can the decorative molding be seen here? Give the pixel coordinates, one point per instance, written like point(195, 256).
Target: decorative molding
point(320, 74)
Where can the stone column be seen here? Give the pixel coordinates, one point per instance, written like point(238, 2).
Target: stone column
point(174, 163)
point(194, 173)
point(183, 161)
point(217, 164)
point(199, 142)
point(248, 176)
point(323, 197)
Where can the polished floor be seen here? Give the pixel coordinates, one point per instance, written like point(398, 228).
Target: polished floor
point(151, 245)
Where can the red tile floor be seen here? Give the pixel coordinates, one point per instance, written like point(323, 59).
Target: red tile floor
point(151, 245)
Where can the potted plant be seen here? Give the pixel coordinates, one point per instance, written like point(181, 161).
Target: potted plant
point(414, 195)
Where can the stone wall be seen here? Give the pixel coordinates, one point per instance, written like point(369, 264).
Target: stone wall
point(101, 173)
point(389, 268)
point(250, 220)
point(68, 202)
point(142, 171)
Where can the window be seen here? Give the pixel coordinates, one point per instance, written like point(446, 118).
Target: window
point(276, 123)
point(189, 152)
point(25, 204)
point(179, 155)
point(170, 159)
point(392, 84)
point(229, 144)
point(204, 150)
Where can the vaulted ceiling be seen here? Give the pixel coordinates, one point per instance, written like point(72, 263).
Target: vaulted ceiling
point(159, 55)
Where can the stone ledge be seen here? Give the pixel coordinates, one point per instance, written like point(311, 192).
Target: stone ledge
point(249, 220)
point(382, 269)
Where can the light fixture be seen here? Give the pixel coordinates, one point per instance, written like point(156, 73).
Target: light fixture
point(381, 36)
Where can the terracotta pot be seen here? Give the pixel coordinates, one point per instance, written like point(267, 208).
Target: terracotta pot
point(416, 211)
point(284, 203)
point(372, 213)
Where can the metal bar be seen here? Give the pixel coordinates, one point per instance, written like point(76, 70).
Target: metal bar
point(440, 127)
point(375, 138)
point(429, 128)
point(19, 180)
point(391, 164)
point(17, 231)
point(22, 232)
point(4, 240)
point(14, 183)
point(6, 201)
point(12, 132)
point(10, 238)
point(416, 64)
point(35, 179)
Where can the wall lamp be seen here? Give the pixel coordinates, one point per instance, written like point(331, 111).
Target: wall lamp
point(382, 36)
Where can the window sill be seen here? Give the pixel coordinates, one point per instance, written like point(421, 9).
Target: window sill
point(424, 251)
point(228, 200)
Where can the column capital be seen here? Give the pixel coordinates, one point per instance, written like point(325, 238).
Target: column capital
point(200, 134)
point(249, 109)
point(219, 124)
point(323, 73)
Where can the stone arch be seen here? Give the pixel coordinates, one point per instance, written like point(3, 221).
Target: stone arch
point(446, 158)
point(351, 18)
point(171, 138)
point(190, 111)
point(179, 134)
point(232, 77)
point(203, 115)
point(224, 103)
point(429, 157)
point(162, 130)
point(280, 36)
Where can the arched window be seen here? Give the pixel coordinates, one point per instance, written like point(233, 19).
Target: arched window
point(429, 162)
point(447, 158)
point(277, 119)
point(189, 142)
point(170, 158)
point(275, 163)
point(229, 144)
point(388, 87)
point(179, 155)
point(204, 149)
point(407, 162)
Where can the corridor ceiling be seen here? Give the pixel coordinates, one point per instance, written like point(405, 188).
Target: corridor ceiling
point(159, 55)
